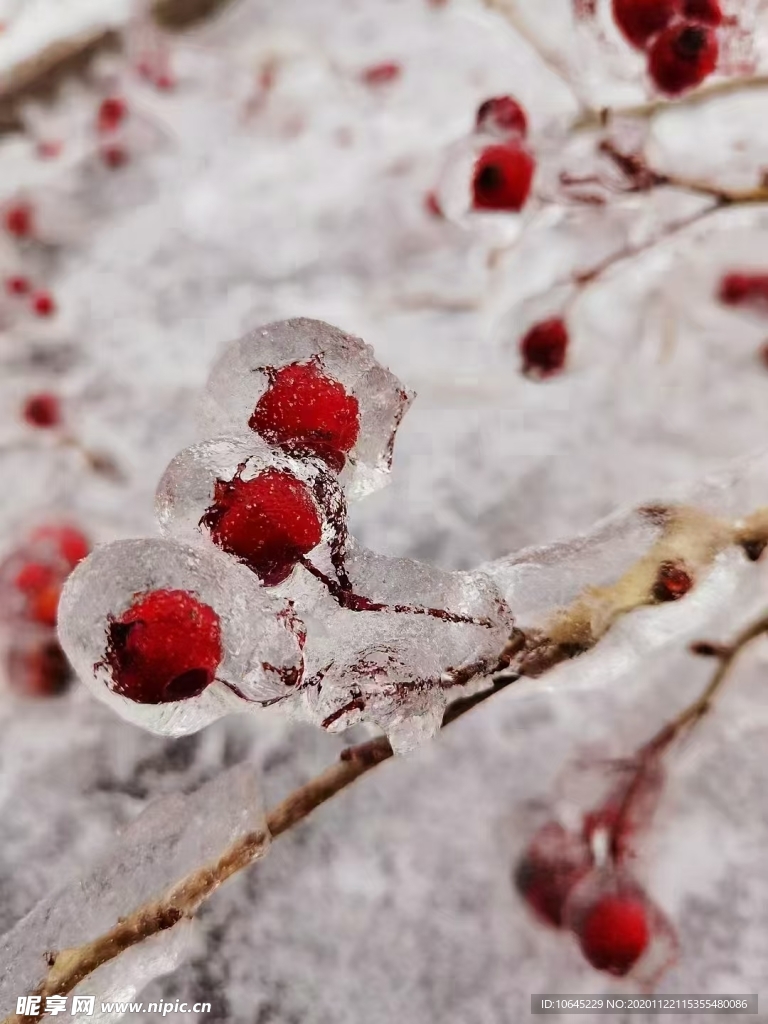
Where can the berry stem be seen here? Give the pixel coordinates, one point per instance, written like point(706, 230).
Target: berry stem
point(352, 602)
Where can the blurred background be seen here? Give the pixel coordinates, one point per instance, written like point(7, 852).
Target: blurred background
point(172, 177)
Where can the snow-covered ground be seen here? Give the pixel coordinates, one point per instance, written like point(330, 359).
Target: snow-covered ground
point(241, 205)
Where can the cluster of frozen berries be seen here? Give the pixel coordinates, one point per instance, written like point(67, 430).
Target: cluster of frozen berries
point(581, 880)
point(258, 596)
point(31, 580)
point(679, 38)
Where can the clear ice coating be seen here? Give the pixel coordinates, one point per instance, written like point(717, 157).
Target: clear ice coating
point(251, 651)
point(304, 383)
point(172, 837)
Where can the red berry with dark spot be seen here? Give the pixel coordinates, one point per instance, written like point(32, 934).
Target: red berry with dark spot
point(548, 870)
point(42, 410)
point(673, 581)
point(544, 348)
point(640, 20)
point(744, 288)
point(112, 112)
point(307, 412)
point(502, 114)
point(502, 178)
point(20, 220)
point(682, 56)
point(37, 670)
point(43, 304)
point(381, 74)
point(166, 647)
point(614, 933)
point(17, 285)
point(268, 522)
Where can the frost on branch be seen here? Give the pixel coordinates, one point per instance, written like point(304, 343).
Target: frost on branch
point(175, 637)
point(171, 838)
point(310, 389)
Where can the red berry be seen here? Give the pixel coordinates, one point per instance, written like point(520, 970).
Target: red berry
point(114, 156)
point(502, 178)
point(164, 81)
point(42, 410)
point(614, 933)
point(708, 11)
point(682, 56)
point(551, 866)
point(742, 288)
point(166, 647)
point(70, 543)
point(43, 304)
point(309, 413)
point(544, 348)
point(112, 112)
point(17, 285)
point(639, 20)
point(673, 581)
point(41, 586)
point(49, 149)
point(39, 670)
point(380, 74)
point(502, 114)
point(19, 220)
point(268, 522)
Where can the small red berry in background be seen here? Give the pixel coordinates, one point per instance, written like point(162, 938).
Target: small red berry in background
point(42, 410)
point(544, 348)
point(111, 113)
point(19, 220)
point(744, 288)
point(502, 178)
point(268, 522)
point(502, 114)
point(68, 542)
point(763, 354)
point(682, 56)
point(114, 156)
point(614, 933)
point(548, 870)
point(307, 412)
point(166, 647)
point(37, 669)
point(17, 285)
point(673, 581)
point(432, 205)
point(49, 149)
point(640, 20)
point(381, 74)
point(43, 304)
point(40, 584)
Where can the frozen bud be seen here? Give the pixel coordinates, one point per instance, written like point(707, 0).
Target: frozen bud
point(175, 637)
point(549, 868)
point(312, 391)
point(267, 509)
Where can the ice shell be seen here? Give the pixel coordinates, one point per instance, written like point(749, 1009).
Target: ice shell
point(187, 488)
point(240, 377)
point(262, 657)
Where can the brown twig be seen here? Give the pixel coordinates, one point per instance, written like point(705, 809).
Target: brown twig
point(70, 966)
